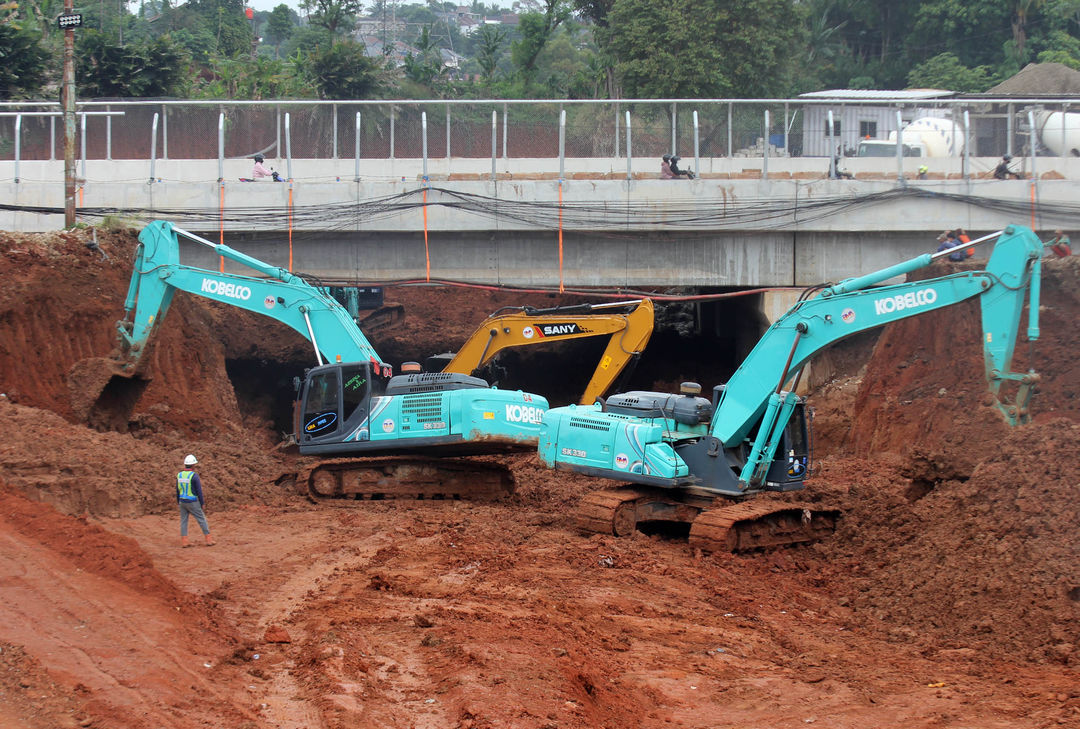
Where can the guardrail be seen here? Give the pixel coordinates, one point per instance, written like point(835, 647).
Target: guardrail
point(456, 130)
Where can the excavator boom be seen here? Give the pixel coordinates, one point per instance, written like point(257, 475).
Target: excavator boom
point(349, 404)
point(628, 334)
point(683, 451)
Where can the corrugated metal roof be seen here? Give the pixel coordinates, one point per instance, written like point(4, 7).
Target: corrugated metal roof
point(857, 94)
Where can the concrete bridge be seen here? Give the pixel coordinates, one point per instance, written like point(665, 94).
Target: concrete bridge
point(592, 228)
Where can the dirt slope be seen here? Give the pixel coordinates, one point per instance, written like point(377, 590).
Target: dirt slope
point(949, 597)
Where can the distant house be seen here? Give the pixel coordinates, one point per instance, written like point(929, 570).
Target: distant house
point(854, 120)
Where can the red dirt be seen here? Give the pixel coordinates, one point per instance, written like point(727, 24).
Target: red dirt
point(948, 598)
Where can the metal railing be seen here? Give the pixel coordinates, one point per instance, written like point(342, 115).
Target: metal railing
point(711, 129)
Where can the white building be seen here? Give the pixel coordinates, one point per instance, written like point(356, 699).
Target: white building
point(854, 119)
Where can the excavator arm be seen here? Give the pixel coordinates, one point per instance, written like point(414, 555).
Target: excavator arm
point(277, 293)
point(682, 451)
point(756, 389)
point(628, 334)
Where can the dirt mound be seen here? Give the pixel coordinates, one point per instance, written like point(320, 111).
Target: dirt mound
point(958, 528)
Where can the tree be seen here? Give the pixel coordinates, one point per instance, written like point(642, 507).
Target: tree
point(705, 48)
point(536, 29)
point(489, 43)
point(342, 71)
point(23, 61)
point(426, 65)
point(944, 71)
point(337, 16)
point(280, 25)
point(136, 70)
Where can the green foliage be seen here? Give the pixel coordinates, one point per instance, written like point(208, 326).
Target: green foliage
point(152, 68)
point(703, 48)
point(342, 71)
point(490, 40)
point(337, 16)
point(23, 62)
point(944, 71)
point(261, 78)
point(536, 29)
point(280, 25)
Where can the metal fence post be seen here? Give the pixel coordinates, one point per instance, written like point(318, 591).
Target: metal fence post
point(494, 141)
point(164, 133)
point(356, 154)
point(82, 145)
point(674, 127)
point(392, 115)
point(629, 174)
point(333, 108)
point(423, 139)
point(899, 148)
point(730, 104)
point(108, 134)
point(562, 143)
point(18, 145)
point(787, 147)
point(447, 139)
point(967, 136)
point(1031, 152)
point(832, 157)
point(1009, 130)
point(288, 148)
point(765, 149)
point(52, 138)
point(697, 144)
point(1064, 141)
point(221, 147)
point(153, 147)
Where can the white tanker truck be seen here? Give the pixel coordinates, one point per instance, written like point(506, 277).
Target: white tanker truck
point(925, 137)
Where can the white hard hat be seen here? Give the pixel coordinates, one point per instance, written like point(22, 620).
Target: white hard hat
point(190, 460)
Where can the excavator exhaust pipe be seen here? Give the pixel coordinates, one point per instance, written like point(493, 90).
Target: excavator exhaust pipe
point(104, 393)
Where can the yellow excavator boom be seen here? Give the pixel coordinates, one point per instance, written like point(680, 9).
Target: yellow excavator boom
point(629, 332)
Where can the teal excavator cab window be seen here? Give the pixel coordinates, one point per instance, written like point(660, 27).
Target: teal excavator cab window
point(321, 409)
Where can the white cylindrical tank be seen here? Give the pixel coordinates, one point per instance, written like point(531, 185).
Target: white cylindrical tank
point(941, 137)
point(1061, 144)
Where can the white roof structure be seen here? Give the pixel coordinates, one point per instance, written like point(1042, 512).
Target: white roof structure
point(877, 94)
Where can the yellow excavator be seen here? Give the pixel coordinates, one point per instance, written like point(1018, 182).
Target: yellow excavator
point(629, 330)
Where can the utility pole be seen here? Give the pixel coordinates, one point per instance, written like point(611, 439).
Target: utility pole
point(68, 22)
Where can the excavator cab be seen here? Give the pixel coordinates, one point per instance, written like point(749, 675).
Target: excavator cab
point(335, 400)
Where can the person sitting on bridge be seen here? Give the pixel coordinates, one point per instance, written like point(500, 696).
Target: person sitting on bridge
point(665, 168)
point(260, 173)
point(1004, 172)
point(688, 174)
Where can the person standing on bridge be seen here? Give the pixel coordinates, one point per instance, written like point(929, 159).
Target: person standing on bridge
point(189, 496)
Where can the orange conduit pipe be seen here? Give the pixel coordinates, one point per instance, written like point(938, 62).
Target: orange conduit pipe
point(1033, 203)
point(427, 252)
point(561, 289)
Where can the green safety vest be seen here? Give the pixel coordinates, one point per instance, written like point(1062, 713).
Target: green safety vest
point(183, 486)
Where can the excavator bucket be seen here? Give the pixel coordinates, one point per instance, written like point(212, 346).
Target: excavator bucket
point(104, 392)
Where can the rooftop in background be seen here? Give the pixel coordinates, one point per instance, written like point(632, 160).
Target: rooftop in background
point(878, 94)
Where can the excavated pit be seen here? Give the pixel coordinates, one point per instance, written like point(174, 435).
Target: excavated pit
point(954, 564)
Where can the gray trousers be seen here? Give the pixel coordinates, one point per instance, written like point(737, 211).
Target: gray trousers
point(193, 508)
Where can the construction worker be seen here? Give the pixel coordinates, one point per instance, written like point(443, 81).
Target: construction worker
point(189, 495)
point(923, 169)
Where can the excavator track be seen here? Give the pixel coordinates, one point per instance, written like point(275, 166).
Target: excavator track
point(730, 527)
point(760, 525)
point(342, 480)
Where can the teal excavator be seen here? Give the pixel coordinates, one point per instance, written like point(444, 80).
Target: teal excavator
point(690, 459)
point(351, 407)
